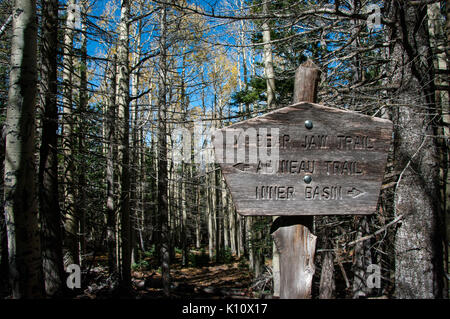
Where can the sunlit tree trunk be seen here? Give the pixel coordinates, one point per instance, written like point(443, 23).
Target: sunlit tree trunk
point(268, 59)
point(225, 211)
point(71, 240)
point(123, 100)
point(135, 162)
point(217, 213)
point(210, 199)
point(198, 220)
point(83, 97)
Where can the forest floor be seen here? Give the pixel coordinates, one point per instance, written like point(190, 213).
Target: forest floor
point(208, 280)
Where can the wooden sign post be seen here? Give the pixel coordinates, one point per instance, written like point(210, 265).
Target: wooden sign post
point(303, 160)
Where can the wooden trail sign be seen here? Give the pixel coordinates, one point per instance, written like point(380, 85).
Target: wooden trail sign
point(305, 159)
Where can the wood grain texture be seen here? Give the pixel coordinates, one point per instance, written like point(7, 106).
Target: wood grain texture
point(297, 246)
point(345, 154)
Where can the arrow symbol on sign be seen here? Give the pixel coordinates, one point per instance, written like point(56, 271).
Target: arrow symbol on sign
point(354, 192)
point(242, 166)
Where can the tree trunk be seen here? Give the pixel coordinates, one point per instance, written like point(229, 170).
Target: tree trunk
point(225, 211)
point(183, 225)
point(232, 225)
point(3, 233)
point(275, 268)
point(71, 220)
point(163, 208)
point(81, 198)
point(418, 246)
point(50, 215)
point(210, 214)
point(361, 259)
point(270, 83)
point(123, 117)
point(241, 235)
point(327, 283)
point(25, 262)
point(217, 214)
point(198, 220)
point(268, 59)
point(437, 41)
point(135, 161)
point(296, 245)
point(110, 159)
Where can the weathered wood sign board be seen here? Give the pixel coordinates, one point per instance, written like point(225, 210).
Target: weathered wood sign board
point(323, 161)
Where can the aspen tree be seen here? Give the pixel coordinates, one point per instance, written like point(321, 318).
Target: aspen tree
point(25, 262)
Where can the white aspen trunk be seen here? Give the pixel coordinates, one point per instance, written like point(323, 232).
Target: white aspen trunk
point(123, 159)
point(232, 225)
point(275, 268)
point(83, 96)
point(268, 59)
point(225, 211)
point(241, 235)
point(68, 144)
point(25, 262)
point(217, 214)
point(249, 241)
point(135, 162)
point(198, 221)
point(210, 214)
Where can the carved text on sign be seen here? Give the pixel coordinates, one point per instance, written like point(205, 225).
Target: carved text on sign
point(323, 142)
point(334, 166)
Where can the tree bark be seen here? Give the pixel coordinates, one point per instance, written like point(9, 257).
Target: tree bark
point(123, 100)
point(438, 44)
point(25, 262)
point(163, 208)
point(268, 59)
point(361, 259)
point(275, 268)
point(418, 246)
point(71, 240)
point(327, 282)
point(210, 213)
point(81, 172)
point(217, 214)
point(4, 264)
point(232, 225)
point(296, 245)
point(110, 159)
point(50, 214)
